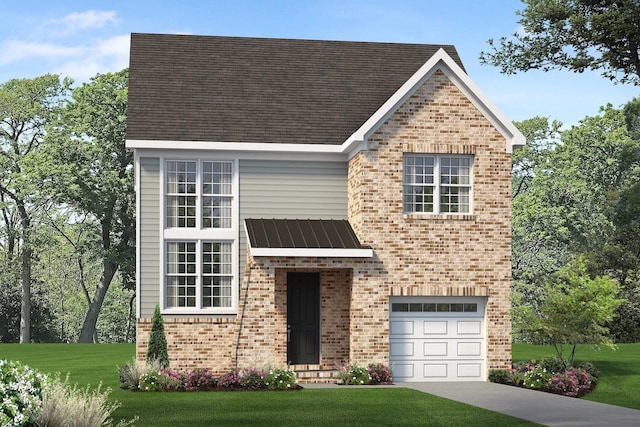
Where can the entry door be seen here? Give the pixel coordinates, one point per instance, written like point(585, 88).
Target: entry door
point(303, 318)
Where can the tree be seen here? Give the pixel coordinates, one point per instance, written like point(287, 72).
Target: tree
point(157, 347)
point(575, 310)
point(26, 107)
point(91, 170)
point(577, 35)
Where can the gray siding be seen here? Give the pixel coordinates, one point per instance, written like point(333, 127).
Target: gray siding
point(150, 215)
point(291, 189)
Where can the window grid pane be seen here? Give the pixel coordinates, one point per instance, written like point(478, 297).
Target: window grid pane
point(181, 198)
point(419, 183)
point(216, 274)
point(181, 276)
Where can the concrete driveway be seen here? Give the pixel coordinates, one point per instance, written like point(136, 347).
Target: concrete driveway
point(543, 408)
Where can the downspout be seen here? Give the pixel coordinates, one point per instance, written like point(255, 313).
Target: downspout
point(244, 306)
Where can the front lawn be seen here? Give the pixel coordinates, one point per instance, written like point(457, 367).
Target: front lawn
point(92, 364)
point(619, 370)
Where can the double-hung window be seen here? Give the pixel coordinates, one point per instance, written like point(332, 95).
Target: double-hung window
point(434, 183)
point(199, 237)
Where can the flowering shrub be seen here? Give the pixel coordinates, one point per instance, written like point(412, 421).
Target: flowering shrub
point(230, 380)
point(152, 381)
point(21, 389)
point(354, 374)
point(573, 382)
point(380, 374)
point(537, 378)
point(280, 379)
point(252, 379)
point(203, 379)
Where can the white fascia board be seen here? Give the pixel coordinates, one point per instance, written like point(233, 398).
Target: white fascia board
point(439, 61)
point(312, 252)
point(234, 146)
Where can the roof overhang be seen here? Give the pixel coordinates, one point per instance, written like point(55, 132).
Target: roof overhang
point(304, 238)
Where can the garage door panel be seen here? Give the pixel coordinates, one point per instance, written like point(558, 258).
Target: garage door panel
point(403, 371)
point(435, 328)
point(435, 370)
point(469, 349)
point(403, 348)
point(402, 327)
point(466, 327)
point(435, 349)
point(470, 370)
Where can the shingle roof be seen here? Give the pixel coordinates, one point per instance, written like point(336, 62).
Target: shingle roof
point(302, 234)
point(232, 89)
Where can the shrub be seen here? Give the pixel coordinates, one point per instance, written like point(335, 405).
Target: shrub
point(501, 376)
point(573, 382)
point(21, 389)
point(537, 378)
point(553, 364)
point(591, 370)
point(202, 379)
point(380, 374)
point(174, 380)
point(157, 347)
point(252, 379)
point(354, 374)
point(152, 381)
point(132, 372)
point(280, 379)
point(64, 405)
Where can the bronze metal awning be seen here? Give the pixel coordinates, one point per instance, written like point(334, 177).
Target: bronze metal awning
point(304, 237)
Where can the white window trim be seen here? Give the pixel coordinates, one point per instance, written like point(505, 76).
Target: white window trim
point(199, 235)
point(438, 185)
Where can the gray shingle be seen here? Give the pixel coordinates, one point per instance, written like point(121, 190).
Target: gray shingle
point(232, 89)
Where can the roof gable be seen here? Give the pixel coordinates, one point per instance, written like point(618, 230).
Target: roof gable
point(230, 89)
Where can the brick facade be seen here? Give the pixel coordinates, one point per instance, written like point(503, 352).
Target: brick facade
point(417, 255)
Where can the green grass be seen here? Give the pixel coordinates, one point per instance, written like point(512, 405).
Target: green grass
point(619, 370)
point(92, 364)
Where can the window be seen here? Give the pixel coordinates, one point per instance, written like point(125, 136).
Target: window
point(434, 307)
point(207, 284)
point(200, 236)
point(437, 183)
point(194, 197)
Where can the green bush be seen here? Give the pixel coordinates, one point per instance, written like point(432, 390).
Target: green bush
point(22, 391)
point(590, 369)
point(280, 379)
point(354, 374)
point(157, 347)
point(553, 364)
point(501, 376)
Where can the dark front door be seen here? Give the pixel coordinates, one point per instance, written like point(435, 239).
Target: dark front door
point(303, 318)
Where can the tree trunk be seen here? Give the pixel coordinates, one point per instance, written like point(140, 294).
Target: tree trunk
point(129, 317)
point(25, 310)
point(87, 334)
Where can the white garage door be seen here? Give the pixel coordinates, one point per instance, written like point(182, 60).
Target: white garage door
point(437, 338)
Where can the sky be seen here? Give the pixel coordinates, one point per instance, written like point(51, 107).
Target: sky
point(80, 38)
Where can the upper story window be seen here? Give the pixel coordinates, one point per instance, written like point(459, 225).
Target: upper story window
point(434, 183)
point(198, 194)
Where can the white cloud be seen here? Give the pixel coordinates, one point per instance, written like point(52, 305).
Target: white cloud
point(16, 50)
point(79, 21)
point(80, 61)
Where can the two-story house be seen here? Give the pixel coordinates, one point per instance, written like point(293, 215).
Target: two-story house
point(310, 203)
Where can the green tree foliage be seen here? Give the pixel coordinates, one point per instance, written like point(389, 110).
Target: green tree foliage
point(578, 194)
point(577, 35)
point(575, 310)
point(26, 107)
point(92, 171)
point(157, 347)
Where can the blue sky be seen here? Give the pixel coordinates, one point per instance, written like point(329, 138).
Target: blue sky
point(78, 39)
